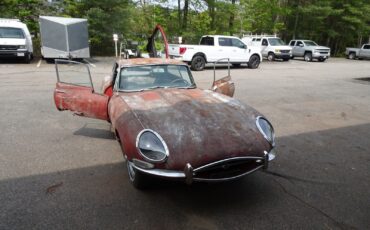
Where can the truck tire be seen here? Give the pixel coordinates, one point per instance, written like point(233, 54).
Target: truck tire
point(198, 63)
point(308, 57)
point(27, 59)
point(254, 62)
point(352, 55)
point(271, 57)
point(322, 59)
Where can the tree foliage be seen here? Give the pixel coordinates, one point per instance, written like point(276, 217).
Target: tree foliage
point(335, 23)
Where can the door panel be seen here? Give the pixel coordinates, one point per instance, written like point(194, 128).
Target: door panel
point(79, 96)
point(224, 86)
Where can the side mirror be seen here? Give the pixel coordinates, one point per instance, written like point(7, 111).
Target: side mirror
point(245, 46)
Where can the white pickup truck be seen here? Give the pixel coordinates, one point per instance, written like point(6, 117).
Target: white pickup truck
point(360, 53)
point(212, 48)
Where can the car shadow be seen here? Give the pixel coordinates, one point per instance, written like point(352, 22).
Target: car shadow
point(318, 178)
point(88, 130)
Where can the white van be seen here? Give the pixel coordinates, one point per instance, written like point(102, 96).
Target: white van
point(271, 46)
point(15, 40)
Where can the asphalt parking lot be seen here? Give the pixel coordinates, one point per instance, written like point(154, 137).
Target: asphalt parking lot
point(59, 171)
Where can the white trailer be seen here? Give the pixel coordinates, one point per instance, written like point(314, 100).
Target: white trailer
point(64, 37)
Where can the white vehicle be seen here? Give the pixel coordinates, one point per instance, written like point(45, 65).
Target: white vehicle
point(15, 40)
point(212, 48)
point(271, 46)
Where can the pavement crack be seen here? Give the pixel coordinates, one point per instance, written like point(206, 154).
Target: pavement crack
point(337, 223)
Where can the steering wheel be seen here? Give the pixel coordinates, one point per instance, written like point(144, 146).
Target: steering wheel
point(179, 80)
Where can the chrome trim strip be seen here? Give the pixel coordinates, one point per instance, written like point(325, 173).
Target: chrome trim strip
point(226, 160)
point(160, 172)
point(160, 138)
point(228, 178)
point(272, 142)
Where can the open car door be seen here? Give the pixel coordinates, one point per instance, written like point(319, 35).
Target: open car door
point(74, 91)
point(157, 43)
point(224, 85)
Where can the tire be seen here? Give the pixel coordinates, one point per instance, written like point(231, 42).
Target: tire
point(198, 63)
point(236, 65)
point(351, 56)
point(50, 60)
point(292, 57)
point(28, 58)
point(271, 57)
point(322, 59)
point(286, 59)
point(254, 62)
point(308, 57)
point(137, 178)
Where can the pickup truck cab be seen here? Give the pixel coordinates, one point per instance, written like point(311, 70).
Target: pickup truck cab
point(213, 48)
point(360, 53)
point(15, 40)
point(309, 50)
point(271, 47)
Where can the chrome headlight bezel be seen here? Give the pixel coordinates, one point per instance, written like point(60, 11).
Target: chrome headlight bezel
point(270, 137)
point(165, 154)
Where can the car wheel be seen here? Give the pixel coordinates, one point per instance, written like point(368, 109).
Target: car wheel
point(322, 59)
point(236, 65)
point(137, 178)
point(254, 62)
point(271, 57)
point(292, 57)
point(308, 57)
point(198, 63)
point(28, 58)
point(352, 56)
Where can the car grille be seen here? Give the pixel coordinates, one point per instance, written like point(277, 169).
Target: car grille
point(284, 51)
point(8, 47)
point(229, 168)
point(323, 51)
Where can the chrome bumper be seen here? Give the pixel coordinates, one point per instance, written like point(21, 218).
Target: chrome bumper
point(189, 174)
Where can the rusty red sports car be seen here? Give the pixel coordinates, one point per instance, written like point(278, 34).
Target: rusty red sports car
point(166, 126)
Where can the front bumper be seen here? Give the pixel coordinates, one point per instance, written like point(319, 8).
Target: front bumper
point(13, 53)
point(320, 55)
point(283, 55)
point(207, 172)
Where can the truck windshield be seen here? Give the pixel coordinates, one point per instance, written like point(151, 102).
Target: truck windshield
point(9, 32)
point(276, 42)
point(139, 78)
point(310, 43)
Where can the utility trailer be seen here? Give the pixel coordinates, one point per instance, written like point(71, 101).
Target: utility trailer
point(64, 38)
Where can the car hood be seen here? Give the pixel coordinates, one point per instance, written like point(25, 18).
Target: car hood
point(198, 126)
point(282, 47)
point(13, 41)
point(321, 47)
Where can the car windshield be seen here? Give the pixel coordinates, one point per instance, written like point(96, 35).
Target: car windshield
point(310, 43)
point(8, 32)
point(139, 78)
point(276, 42)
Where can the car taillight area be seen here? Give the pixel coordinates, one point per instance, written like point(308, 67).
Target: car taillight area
point(182, 50)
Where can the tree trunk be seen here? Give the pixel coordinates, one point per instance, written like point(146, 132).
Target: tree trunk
point(232, 17)
point(179, 12)
point(185, 18)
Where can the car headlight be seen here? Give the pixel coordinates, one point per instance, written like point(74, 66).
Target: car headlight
point(151, 146)
point(277, 51)
point(21, 47)
point(266, 129)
